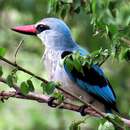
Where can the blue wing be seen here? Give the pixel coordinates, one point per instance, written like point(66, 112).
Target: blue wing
point(94, 82)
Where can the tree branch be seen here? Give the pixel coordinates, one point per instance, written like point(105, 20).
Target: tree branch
point(38, 97)
point(44, 98)
point(59, 88)
point(5, 95)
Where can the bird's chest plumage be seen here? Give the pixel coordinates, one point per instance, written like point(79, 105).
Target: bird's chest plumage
point(52, 64)
point(51, 59)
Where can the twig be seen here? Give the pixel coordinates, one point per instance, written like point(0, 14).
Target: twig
point(122, 39)
point(23, 70)
point(104, 59)
point(17, 49)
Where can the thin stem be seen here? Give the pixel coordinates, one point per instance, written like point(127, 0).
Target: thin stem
point(22, 69)
point(104, 59)
point(17, 49)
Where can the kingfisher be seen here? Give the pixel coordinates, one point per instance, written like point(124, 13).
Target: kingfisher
point(91, 85)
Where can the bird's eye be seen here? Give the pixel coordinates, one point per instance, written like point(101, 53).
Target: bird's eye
point(42, 27)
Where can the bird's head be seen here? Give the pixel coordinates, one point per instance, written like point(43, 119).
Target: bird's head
point(53, 32)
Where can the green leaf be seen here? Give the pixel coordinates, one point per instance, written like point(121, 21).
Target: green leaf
point(76, 6)
point(76, 61)
point(116, 120)
point(77, 65)
point(75, 125)
point(14, 76)
point(43, 85)
point(1, 71)
point(59, 96)
point(100, 127)
point(24, 89)
point(106, 126)
point(9, 80)
point(2, 51)
point(63, 12)
point(30, 85)
point(69, 63)
point(113, 29)
point(50, 87)
point(126, 54)
point(13, 72)
point(119, 120)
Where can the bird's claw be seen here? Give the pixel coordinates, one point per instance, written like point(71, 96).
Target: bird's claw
point(2, 97)
point(82, 110)
point(51, 102)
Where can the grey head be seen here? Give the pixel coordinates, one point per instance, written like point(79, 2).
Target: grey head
point(57, 34)
point(53, 32)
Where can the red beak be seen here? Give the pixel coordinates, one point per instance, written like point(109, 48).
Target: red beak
point(27, 29)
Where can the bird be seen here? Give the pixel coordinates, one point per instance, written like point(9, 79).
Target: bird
point(93, 86)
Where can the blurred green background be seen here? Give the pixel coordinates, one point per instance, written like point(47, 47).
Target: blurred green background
point(16, 114)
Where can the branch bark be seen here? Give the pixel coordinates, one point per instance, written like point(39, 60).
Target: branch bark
point(4, 95)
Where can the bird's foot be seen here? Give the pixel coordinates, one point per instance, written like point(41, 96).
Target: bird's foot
point(82, 110)
point(3, 97)
point(51, 102)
